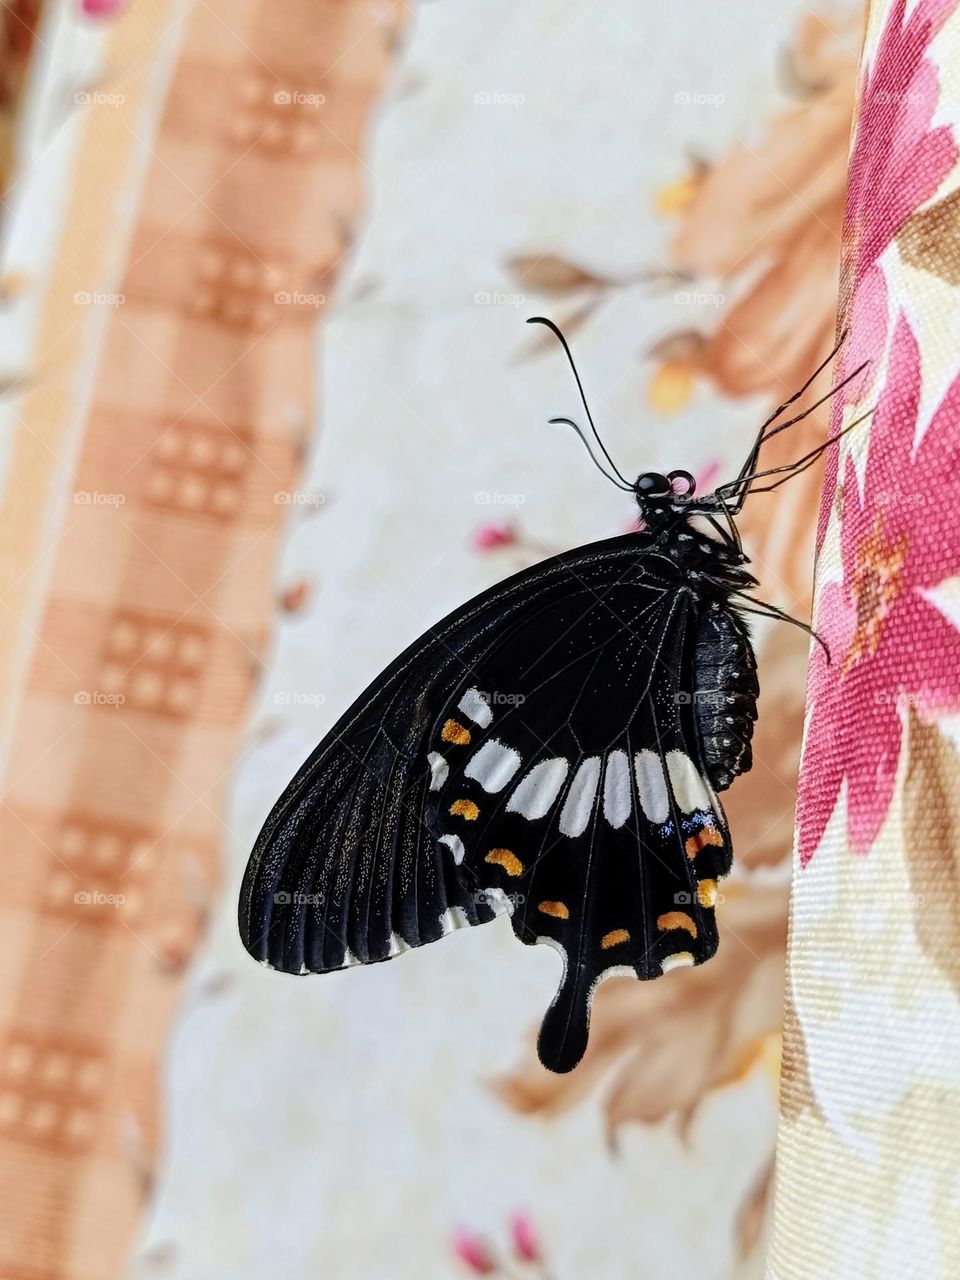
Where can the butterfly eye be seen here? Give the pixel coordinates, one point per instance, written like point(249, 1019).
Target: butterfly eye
point(652, 485)
point(682, 483)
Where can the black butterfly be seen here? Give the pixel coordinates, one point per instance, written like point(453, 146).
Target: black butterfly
point(552, 749)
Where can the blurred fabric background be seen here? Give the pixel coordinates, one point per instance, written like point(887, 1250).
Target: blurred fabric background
point(271, 409)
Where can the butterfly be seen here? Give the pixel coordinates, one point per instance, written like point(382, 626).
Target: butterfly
point(553, 750)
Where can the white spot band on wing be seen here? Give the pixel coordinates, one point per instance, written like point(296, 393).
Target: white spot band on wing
point(455, 845)
point(438, 770)
point(537, 790)
point(616, 789)
point(688, 786)
point(493, 766)
point(474, 705)
point(579, 802)
point(651, 786)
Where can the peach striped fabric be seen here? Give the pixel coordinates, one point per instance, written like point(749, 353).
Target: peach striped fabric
point(142, 646)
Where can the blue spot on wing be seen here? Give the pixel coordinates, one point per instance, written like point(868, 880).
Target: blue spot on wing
point(695, 822)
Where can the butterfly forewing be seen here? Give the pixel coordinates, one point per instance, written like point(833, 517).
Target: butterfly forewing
point(345, 868)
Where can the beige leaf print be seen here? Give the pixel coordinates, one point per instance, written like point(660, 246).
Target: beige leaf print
point(931, 239)
point(753, 1212)
point(796, 1091)
point(553, 275)
point(570, 321)
point(931, 812)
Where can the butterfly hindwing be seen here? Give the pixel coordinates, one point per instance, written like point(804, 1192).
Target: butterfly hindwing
point(574, 795)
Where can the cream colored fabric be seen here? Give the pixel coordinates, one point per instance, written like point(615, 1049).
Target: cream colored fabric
point(526, 159)
point(870, 1110)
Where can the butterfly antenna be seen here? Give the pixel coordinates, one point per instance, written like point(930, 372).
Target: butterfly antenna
point(593, 457)
point(563, 342)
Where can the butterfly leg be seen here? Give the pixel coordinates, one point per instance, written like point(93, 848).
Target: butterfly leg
point(789, 468)
point(768, 610)
point(754, 453)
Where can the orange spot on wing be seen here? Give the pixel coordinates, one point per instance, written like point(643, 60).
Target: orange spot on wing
point(558, 909)
point(677, 920)
point(707, 893)
point(465, 809)
point(504, 858)
point(614, 938)
point(709, 835)
point(454, 731)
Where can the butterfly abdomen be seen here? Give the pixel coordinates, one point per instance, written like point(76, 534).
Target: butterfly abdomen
point(725, 693)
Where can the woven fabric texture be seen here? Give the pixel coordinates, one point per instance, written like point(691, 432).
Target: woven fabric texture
point(870, 1107)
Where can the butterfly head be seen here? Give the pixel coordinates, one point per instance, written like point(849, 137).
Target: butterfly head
point(663, 497)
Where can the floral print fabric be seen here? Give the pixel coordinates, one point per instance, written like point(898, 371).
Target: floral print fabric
point(871, 1086)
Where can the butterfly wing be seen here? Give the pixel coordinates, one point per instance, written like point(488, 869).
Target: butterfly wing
point(576, 795)
point(345, 870)
point(536, 753)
